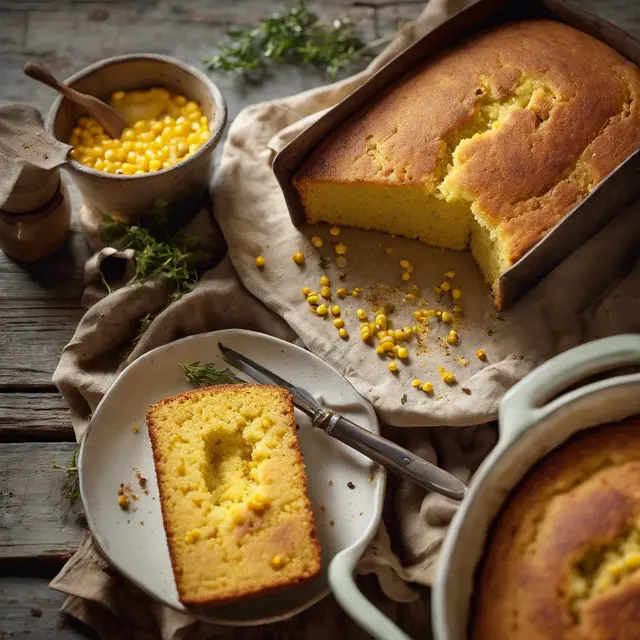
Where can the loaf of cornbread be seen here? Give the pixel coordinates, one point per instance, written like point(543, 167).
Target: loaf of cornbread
point(563, 559)
point(233, 491)
point(486, 146)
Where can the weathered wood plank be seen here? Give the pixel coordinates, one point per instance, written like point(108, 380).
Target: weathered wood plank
point(36, 521)
point(34, 416)
point(30, 609)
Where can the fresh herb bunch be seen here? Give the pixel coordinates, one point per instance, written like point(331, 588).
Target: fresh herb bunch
point(71, 489)
point(207, 374)
point(294, 36)
point(159, 252)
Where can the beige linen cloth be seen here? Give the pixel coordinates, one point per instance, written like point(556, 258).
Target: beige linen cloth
point(595, 292)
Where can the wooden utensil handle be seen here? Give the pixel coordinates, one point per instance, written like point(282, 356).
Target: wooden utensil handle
point(41, 74)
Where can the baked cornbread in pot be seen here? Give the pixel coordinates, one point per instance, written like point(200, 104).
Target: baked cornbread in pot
point(486, 146)
point(563, 558)
point(233, 492)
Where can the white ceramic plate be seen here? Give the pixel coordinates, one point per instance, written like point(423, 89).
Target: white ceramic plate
point(112, 453)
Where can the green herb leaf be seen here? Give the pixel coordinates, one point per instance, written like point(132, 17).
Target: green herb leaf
point(323, 262)
point(294, 36)
point(208, 374)
point(71, 489)
point(403, 400)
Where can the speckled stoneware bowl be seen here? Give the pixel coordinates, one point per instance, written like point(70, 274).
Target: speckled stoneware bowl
point(136, 195)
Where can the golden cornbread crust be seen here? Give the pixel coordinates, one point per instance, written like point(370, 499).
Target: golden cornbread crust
point(259, 538)
point(519, 123)
point(563, 557)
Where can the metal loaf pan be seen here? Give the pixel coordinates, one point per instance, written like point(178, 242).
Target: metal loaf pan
point(620, 188)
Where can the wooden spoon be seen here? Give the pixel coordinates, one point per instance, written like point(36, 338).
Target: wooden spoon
point(108, 117)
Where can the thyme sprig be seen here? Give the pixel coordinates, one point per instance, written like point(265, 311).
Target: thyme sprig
point(208, 374)
point(293, 36)
point(71, 488)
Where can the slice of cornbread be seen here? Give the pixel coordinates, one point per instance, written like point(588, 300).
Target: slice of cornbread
point(486, 146)
point(233, 491)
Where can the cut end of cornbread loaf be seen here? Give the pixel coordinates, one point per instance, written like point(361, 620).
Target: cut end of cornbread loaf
point(486, 146)
point(233, 491)
point(563, 557)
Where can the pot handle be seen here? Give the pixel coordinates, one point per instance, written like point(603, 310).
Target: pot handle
point(351, 599)
point(527, 402)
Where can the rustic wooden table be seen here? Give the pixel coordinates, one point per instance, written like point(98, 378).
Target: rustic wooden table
point(40, 304)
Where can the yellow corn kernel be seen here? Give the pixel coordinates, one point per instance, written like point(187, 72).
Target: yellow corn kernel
point(403, 353)
point(456, 294)
point(389, 250)
point(255, 503)
point(341, 292)
point(313, 298)
point(129, 169)
point(334, 231)
point(340, 249)
point(356, 292)
point(445, 286)
point(338, 323)
point(405, 264)
point(365, 336)
point(379, 350)
point(438, 291)
point(180, 101)
point(123, 502)
point(387, 337)
point(192, 536)
point(388, 347)
point(405, 276)
point(277, 562)
point(110, 167)
point(343, 333)
point(398, 334)
point(452, 338)
point(260, 261)
point(416, 314)
point(322, 310)
point(325, 292)
point(450, 274)
point(99, 165)
point(381, 321)
point(305, 291)
point(361, 314)
point(410, 269)
point(298, 258)
point(431, 313)
point(446, 316)
point(448, 377)
point(481, 355)
point(335, 310)
point(155, 165)
point(427, 387)
point(407, 331)
point(393, 367)
point(324, 281)
point(457, 309)
point(267, 422)
point(415, 382)
point(341, 262)
point(317, 241)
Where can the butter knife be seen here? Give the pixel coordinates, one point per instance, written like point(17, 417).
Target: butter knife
point(393, 457)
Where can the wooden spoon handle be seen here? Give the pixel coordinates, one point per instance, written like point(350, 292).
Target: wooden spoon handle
point(45, 76)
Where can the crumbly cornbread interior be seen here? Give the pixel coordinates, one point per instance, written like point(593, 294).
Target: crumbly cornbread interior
point(233, 492)
point(485, 147)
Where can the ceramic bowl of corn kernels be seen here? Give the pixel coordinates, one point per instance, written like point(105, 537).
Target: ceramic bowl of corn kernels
point(176, 116)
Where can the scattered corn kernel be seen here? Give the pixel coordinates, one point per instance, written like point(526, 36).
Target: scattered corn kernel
point(340, 249)
point(445, 286)
point(481, 355)
point(313, 298)
point(407, 331)
point(393, 367)
point(341, 262)
point(355, 292)
point(361, 314)
point(410, 269)
point(446, 316)
point(322, 310)
point(298, 258)
point(379, 350)
point(335, 310)
point(277, 562)
point(324, 281)
point(343, 333)
point(403, 353)
point(317, 241)
point(389, 250)
point(457, 309)
point(448, 377)
point(341, 292)
point(338, 323)
point(456, 294)
point(135, 429)
point(123, 502)
point(416, 382)
point(305, 291)
point(325, 292)
point(334, 231)
point(450, 274)
point(405, 264)
point(381, 321)
point(452, 338)
point(427, 387)
point(405, 276)
point(260, 262)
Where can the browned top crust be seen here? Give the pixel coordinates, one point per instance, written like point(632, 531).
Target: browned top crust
point(563, 560)
point(576, 116)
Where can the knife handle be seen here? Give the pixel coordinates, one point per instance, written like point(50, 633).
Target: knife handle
point(393, 457)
